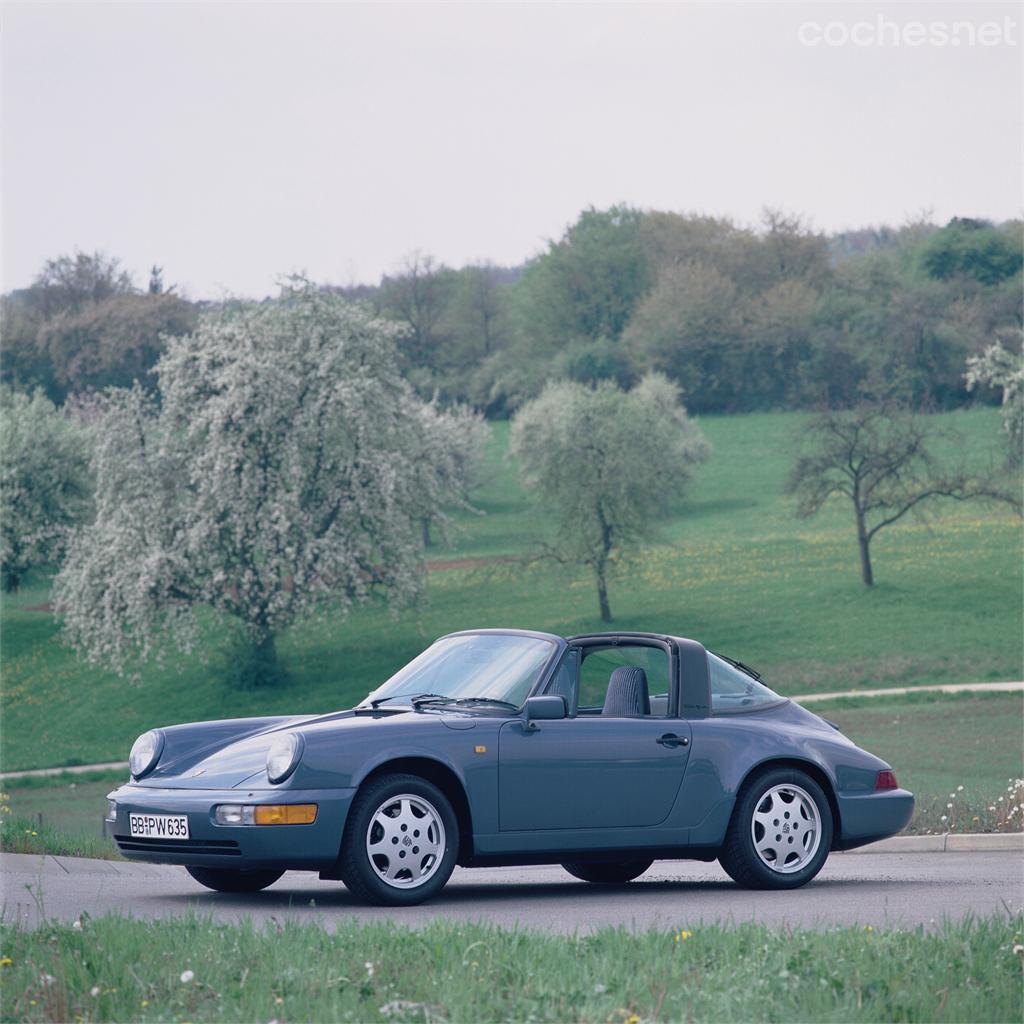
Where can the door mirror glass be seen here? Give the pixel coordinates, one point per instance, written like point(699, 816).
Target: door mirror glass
point(545, 708)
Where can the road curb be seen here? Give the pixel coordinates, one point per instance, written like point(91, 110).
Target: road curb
point(967, 842)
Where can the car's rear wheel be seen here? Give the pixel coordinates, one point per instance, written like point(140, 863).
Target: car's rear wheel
point(781, 831)
point(401, 841)
point(607, 872)
point(233, 880)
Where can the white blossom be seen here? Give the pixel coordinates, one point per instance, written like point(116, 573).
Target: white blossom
point(44, 482)
point(608, 462)
point(1003, 368)
point(284, 466)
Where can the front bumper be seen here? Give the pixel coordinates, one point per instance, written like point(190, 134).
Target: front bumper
point(312, 847)
point(868, 817)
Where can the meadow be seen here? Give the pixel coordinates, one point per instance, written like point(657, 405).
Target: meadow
point(188, 969)
point(731, 567)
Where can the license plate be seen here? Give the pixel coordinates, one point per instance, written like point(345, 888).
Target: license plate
point(159, 826)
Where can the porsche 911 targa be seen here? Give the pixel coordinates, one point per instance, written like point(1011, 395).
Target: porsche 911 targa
point(601, 753)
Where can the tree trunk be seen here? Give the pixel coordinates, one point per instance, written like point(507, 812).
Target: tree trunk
point(426, 532)
point(602, 594)
point(266, 650)
point(864, 543)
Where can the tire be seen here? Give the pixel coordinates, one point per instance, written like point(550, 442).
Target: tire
point(780, 833)
point(234, 880)
point(607, 872)
point(381, 861)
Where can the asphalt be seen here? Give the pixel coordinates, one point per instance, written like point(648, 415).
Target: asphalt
point(887, 889)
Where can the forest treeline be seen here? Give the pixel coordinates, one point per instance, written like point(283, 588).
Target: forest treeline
point(739, 318)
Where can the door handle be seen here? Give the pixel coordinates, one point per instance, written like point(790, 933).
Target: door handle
point(670, 739)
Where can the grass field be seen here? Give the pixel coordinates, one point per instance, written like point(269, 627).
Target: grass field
point(113, 969)
point(732, 568)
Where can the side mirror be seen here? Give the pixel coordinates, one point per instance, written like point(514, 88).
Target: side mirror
point(547, 708)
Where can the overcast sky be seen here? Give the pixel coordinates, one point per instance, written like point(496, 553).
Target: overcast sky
point(233, 142)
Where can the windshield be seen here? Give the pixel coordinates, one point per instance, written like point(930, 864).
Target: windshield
point(491, 666)
point(733, 689)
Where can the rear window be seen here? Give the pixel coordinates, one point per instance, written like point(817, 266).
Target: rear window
point(733, 690)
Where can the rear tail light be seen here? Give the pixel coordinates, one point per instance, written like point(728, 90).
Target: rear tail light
point(886, 780)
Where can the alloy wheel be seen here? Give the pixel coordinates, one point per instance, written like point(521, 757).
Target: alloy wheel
point(405, 841)
point(786, 828)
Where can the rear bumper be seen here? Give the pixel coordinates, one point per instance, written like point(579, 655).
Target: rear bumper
point(291, 847)
point(868, 817)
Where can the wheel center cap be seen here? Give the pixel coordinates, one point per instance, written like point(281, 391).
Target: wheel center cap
point(406, 841)
point(785, 828)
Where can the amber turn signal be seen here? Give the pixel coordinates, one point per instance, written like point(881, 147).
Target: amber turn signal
point(286, 814)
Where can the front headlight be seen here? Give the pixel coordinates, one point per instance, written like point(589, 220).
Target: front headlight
point(146, 751)
point(283, 756)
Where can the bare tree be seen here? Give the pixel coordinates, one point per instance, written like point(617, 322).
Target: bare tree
point(417, 297)
point(876, 456)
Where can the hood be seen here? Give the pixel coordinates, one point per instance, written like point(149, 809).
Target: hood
point(222, 755)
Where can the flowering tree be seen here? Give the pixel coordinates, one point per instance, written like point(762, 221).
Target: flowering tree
point(608, 463)
point(1003, 368)
point(44, 482)
point(283, 467)
point(456, 442)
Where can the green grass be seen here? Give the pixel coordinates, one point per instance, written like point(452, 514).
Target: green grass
point(446, 972)
point(70, 809)
point(959, 749)
point(732, 568)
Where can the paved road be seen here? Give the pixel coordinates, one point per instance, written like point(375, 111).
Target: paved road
point(881, 889)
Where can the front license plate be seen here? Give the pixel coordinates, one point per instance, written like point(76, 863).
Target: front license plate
point(159, 826)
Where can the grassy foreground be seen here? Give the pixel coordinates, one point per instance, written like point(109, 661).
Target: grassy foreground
point(190, 970)
point(732, 567)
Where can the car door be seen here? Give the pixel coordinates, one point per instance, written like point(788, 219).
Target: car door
point(593, 771)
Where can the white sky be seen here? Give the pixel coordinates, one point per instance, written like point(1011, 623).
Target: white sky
point(235, 142)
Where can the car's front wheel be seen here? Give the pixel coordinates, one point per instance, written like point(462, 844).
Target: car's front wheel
point(781, 831)
point(607, 873)
point(401, 841)
point(233, 880)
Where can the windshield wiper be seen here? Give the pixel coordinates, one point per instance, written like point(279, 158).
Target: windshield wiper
point(488, 700)
point(752, 672)
point(413, 698)
point(431, 698)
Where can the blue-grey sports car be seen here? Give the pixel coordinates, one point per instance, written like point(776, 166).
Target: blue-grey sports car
point(601, 753)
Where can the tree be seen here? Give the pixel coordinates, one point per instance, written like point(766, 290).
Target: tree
point(688, 326)
point(113, 342)
point(973, 248)
point(608, 463)
point(1003, 368)
point(281, 470)
point(585, 287)
point(417, 297)
point(44, 482)
point(877, 456)
point(455, 442)
point(72, 282)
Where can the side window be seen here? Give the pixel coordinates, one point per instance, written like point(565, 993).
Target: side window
point(733, 690)
point(600, 662)
point(564, 681)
